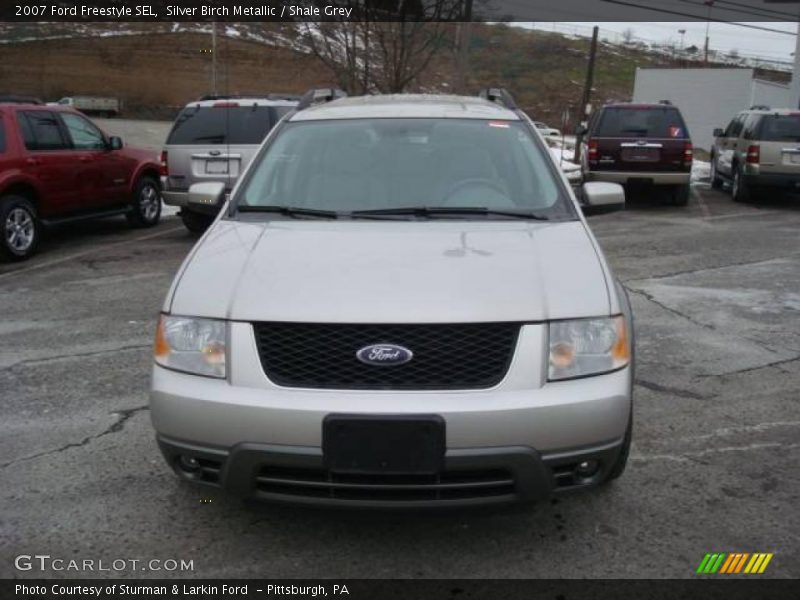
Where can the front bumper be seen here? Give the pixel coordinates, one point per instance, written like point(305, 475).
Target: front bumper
point(471, 476)
point(525, 425)
point(649, 177)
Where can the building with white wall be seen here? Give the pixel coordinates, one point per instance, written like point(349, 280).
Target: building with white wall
point(709, 98)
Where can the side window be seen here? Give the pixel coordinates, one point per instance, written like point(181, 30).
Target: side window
point(85, 136)
point(41, 130)
point(26, 131)
point(2, 136)
point(729, 129)
point(737, 125)
point(749, 131)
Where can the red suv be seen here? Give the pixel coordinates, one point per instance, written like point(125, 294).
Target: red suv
point(56, 166)
point(639, 144)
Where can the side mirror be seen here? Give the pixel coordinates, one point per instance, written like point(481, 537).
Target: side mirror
point(208, 197)
point(602, 197)
point(581, 130)
point(718, 132)
point(115, 143)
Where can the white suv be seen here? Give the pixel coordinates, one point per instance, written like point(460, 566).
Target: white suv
point(400, 305)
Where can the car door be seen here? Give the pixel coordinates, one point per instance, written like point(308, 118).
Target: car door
point(729, 143)
point(103, 180)
point(49, 161)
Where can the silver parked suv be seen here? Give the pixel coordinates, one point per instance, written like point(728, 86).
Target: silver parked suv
point(758, 150)
point(401, 304)
point(214, 139)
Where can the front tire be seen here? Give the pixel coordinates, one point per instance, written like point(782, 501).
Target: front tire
point(20, 228)
point(618, 468)
point(146, 206)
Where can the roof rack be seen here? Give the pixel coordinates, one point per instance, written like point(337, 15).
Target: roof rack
point(666, 102)
point(498, 96)
point(319, 96)
point(209, 97)
point(19, 99)
point(290, 97)
point(760, 107)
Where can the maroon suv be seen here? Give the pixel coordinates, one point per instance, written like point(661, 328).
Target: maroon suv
point(56, 166)
point(639, 144)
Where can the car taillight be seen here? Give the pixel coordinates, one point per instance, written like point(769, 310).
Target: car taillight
point(164, 164)
point(688, 153)
point(754, 155)
point(594, 151)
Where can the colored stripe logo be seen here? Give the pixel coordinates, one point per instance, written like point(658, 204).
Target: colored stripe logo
point(734, 562)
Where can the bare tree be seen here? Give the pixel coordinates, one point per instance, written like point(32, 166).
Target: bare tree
point(628, 35)
point(388, 48)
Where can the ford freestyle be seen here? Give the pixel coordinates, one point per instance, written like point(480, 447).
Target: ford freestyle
point(400, 305)
point(57, 166)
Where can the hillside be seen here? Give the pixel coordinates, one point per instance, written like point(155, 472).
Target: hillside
point(156, 68)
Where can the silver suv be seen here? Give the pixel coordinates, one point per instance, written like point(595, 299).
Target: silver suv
point(401, 304)
point(214, 139)
point(758, 150)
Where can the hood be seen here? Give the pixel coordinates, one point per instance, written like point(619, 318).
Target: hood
point(392, 272)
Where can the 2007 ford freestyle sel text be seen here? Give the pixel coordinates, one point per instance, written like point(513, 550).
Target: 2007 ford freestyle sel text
point(401, 304)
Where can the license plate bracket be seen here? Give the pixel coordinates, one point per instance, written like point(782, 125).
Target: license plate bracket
point(381, 444)
point(791, 158)
point(641, 154)
point(217, 167)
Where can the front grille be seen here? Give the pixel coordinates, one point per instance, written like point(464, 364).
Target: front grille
point(446, 356)
point(450, 485)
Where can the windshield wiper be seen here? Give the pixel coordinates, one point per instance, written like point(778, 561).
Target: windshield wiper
point(433, 211)
point(289, 211)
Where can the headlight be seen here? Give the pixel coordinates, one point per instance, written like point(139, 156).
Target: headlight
point(191, 345)
point(587, 347)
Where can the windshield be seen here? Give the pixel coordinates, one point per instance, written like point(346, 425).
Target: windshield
point(781, 128)
point(210, 125)
point(649, 122)
point(385, 164)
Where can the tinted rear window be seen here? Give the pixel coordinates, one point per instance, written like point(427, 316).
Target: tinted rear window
point(780, 128)
point(41, 130)
point(224, 125)
point(641, 122)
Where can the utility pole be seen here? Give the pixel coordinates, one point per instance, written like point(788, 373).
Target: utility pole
point(710, 5)
point(214, 57)
point(462, 51)
point(586, 102)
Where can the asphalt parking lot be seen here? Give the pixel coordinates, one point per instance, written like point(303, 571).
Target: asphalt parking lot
point(716, 293)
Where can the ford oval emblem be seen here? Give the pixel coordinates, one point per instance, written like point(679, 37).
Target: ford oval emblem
point(385, 355)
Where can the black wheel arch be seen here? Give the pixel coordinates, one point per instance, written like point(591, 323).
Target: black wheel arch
point(23, 189)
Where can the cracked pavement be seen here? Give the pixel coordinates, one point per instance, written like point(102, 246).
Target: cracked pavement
point(715, 464)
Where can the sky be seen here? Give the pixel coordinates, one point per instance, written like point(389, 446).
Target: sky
point(723, 36)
